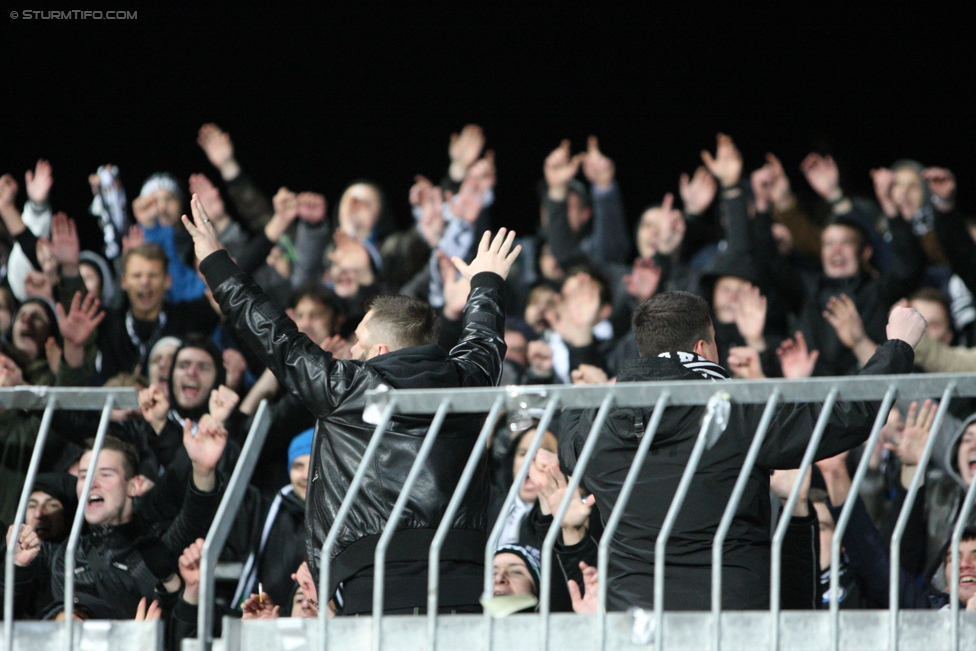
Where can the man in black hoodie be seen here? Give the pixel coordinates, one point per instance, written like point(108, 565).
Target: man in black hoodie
point(677, 342)
point(396, 347)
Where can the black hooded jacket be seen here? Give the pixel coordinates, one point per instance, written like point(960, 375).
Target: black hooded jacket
point(335, 392)
point(747, 549)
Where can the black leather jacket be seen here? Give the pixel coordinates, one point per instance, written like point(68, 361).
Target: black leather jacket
point(334, 391)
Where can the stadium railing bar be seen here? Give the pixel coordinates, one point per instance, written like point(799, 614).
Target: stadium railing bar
point(716, 629)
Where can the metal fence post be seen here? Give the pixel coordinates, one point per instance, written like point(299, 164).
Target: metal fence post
point(347, 501)
point(555, 529)
point(224, 519)
point(496, 531)
point(379, 562)
point(433, 572)
point(75, 535)
point(967, 507)
point(845, 516)
point(726, 523)
point(784, 521)
point(603, 557)
point(894, 554)
point(8, 561)
point(713, 425)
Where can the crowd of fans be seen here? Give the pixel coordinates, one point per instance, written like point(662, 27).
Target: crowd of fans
point(795, 290)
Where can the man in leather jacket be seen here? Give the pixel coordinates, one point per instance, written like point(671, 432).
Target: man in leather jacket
point(677, 342)
point(396, 346)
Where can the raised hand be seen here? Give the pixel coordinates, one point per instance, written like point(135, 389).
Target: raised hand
point(540, 358)
point(906, 324)
point(823, 176)
point(908, 442)
point(145, 210)
point(28, 545)
point(144, 615)
point(421, 184)
point(10, 373)
point(260, 606)
point(64, 244)
point(884, 180)
point(560, 166)
point(464, 150)
point(311, 207)
point(942, 185)
point(217, 145)
point(697, 192)
point(781, 484)
point(456, 288)
point(842, 314)
point(38, 283)
point(643, 281)
point(39, 182)
point(339, 347)
point(667, 226)
point(154, 407)
point(285, 204)
point(204, 448)
point(431, 224)
point(585, 604)
point(189, 565)
point(589, 374)
point(598, 169)
point(482, 173)
point(209, 195)
point(303, 577)
point(770, 185)
point(136, 237)
point(222, 402)
point(78, 325)
point(744, 363)
point(750, 317)
point(726, 165)
point(494, 255)
point(201, 230)
point(794, 358)
point(235, 366)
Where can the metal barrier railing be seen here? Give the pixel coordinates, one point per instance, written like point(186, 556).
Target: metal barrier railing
point(384, 404)
point(49, 399)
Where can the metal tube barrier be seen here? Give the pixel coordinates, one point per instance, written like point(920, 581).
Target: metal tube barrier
point(433, 572)
point(8, 561)
point(224, 520)
point(961, 523)
point(496, 532)
point(555, 529)
point(713, 425)
point(351, 494)
point(603, 558)
point(894, 553)
point(845, 516)
point(379, 562)
point(725, 524)
point(784, 521)
point(75, 535)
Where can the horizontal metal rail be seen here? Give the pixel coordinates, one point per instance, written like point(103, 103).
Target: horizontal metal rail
point(80, 398)
point(682, 392)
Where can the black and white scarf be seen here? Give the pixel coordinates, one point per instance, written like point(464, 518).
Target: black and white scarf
point(698, 364)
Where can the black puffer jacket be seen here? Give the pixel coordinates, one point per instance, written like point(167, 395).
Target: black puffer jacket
point(335, 392)
point(747, 548)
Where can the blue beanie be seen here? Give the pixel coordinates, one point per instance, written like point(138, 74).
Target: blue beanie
point(300, 445)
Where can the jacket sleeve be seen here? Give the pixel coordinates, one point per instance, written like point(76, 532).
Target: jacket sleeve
point(611, 236)
point(958, 246)
point(481, 348)
point(849, 424)
point(194, 518)
point(251, 204)
point(800, 578)
point(936, 357)
point(298, 363)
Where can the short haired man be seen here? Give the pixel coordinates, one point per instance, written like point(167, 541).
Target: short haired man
point(130, 332)
point(677, 342)
point(396, 346)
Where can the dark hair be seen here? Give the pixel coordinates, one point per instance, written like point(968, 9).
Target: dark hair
point(320, 294)
point(149, 251)
point(404, 321)
point(671, 321)
point(130, 455)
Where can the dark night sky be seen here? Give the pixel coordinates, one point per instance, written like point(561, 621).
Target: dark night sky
point(314, 100)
